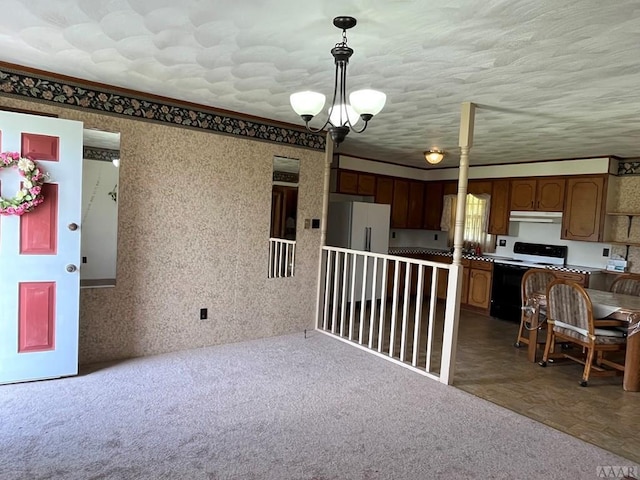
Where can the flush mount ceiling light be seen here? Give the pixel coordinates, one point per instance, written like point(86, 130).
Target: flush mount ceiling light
point(342, 115)
point(434, 156)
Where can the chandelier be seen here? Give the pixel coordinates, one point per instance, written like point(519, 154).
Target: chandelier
point(342, 115)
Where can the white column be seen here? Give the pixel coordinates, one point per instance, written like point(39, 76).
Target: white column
point(467, 116)
point(454, 287)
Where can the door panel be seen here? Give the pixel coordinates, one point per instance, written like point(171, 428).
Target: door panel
point(36, 314)
point(39, 304)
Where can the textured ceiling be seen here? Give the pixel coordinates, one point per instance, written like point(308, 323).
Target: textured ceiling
point(552, 78)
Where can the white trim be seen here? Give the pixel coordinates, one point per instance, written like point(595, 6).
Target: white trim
point(584, 166)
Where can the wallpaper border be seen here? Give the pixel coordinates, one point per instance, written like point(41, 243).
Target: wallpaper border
point(628, 167)
point(65, 93)
point(102, 154)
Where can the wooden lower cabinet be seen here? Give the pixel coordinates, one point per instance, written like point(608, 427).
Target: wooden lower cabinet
point(480, 279)
point(479, 288)
point(477, 276)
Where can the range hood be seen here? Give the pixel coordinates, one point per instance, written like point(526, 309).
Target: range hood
point(535, 217)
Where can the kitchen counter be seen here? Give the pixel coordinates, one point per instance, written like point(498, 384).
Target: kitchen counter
point(402, 251)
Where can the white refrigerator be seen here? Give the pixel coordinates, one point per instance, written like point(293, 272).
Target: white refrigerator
point(360, 226)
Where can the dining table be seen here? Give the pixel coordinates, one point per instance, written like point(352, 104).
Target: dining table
point(609, 309)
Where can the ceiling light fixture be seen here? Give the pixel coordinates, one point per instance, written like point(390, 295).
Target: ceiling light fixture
point(343, 116)
point(434, 156)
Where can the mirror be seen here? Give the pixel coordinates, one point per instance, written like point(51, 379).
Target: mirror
point(284, 216)
point(100, 176)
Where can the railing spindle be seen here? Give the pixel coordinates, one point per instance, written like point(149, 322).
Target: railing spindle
point(394, 308)
point(417, 321)
point(432, 316)
point(374, 301)
point(363, 299)
point(383, 305)
point(334, 306)
point(405, 311)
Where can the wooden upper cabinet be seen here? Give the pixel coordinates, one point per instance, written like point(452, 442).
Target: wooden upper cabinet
point(541, 194)
point(450, 187)
point(366, 184)
point(478, 187)
point(499, 209)
point(416, 204)
point(347, 182)
point(523, 194)
point(550, 194)
point(356, 183)
point(384, 190)
point(583, 217)
point(400, 203)
point(432, 207)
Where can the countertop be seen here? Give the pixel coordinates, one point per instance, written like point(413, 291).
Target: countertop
point(400, 251)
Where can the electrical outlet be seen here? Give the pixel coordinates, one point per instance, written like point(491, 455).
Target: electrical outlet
point(315, 223)
point(393, 234)
point(605, 252)
point(307, 223)
point(203, 314)
point(502, 243)
point(84, 259)
point(435, 236)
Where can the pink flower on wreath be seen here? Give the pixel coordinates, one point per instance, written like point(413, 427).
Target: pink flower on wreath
point(34, 190)
point(10, 210)
point(20, 209)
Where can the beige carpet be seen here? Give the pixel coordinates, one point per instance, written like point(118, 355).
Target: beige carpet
point(279, 408)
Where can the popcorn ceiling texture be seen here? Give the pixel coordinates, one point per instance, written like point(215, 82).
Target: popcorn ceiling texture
point(193, 228)
point(552, 79)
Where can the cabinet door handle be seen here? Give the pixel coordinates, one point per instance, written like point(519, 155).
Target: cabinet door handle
point(367, 239)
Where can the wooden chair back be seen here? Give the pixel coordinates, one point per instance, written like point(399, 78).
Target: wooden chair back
point(567, 302)
point(535, 280)
point(627, 284)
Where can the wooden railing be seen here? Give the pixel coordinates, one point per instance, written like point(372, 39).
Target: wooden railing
point(389, 306)
point(282, 257)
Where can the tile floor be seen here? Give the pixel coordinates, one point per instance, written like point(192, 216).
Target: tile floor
point(490, 367)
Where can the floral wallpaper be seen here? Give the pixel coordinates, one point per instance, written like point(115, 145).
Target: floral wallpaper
point(30, 86)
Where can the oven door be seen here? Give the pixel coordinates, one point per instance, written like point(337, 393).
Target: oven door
point(506, 298)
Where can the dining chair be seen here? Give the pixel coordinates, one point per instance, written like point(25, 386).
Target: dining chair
point(628, 284)
point(570, 319)
point(533, 281)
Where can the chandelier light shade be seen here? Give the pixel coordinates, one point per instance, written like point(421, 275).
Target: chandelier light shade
point(434, 156)
point(343, 115)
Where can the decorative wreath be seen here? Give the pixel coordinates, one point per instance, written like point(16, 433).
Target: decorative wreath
point(29, 196)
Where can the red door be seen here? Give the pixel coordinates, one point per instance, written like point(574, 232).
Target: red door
point(40, 252)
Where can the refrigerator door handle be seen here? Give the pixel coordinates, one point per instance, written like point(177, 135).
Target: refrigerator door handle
point(367, 239)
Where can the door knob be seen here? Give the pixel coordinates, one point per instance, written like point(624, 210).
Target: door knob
point(73, 226)
point(71, 268)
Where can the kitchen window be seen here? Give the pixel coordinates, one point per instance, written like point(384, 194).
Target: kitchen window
point(476, 220)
